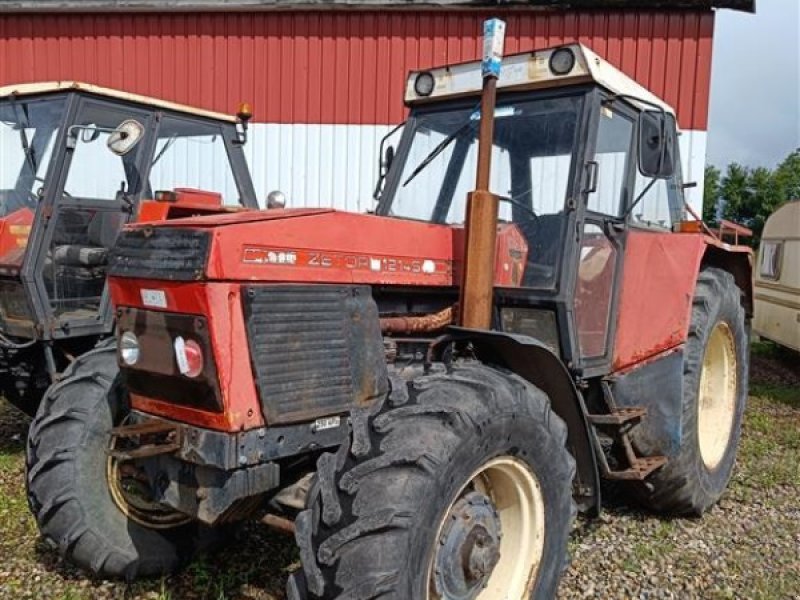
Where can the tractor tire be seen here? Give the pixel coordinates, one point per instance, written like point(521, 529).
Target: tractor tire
point(715, 384)
point(68, 479)
point(459, 480)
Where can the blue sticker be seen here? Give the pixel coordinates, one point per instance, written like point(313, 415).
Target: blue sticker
point(494, 35)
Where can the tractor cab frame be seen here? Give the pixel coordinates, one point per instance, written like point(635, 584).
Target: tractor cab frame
point(552, 147)
point(78, 162)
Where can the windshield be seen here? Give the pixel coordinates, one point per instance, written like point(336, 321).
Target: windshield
point(532, 160)
point(193, 154)
point(28, 130)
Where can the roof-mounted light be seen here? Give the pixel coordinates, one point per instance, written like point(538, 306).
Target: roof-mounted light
point(424, 83)
point(562, 61)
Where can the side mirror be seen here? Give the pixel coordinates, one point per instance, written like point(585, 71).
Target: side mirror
point(125, 137)
point(388, 159)
point(658, 134)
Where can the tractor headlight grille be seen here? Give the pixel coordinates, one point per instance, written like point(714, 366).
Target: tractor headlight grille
point(316, 350)
point(165, 253)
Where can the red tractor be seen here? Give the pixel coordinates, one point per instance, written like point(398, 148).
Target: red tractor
point(77, 162)
point(458, 372)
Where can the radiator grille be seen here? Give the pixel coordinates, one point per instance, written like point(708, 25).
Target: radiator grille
point(315, 350)
point(170, 254)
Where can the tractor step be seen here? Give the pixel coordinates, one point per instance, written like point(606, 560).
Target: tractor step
point(141, 440)
point(619, 417)
point(639, 470)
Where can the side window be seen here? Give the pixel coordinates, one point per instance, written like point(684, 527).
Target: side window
point(658, 196)
point(95, 172)
point(614, 142)
point(192, 154)
point(598, 261)
point(770, 261)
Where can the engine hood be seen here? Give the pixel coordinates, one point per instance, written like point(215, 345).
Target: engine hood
point(292, 245)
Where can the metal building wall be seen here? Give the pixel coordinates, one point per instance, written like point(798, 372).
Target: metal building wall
point(326, 86)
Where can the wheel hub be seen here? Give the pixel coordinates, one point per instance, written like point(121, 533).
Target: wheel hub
point(469, 548)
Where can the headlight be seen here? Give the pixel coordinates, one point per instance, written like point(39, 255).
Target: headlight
point(129, 348)
point(189, 356)
point(424, 84)
point(562, 61)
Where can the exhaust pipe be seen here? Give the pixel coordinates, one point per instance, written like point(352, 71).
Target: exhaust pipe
point(477, 284)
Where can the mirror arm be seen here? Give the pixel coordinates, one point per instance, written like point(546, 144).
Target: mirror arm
point(382, 167)
point(639, 198)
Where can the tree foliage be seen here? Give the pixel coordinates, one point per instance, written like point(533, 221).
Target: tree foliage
point(750, 195)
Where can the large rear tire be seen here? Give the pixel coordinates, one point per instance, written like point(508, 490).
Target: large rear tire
point(714, 398)
point(69, 491)
point(458, 486)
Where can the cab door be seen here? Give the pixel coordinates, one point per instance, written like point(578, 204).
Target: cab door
point(92, 198)
point(601, 236)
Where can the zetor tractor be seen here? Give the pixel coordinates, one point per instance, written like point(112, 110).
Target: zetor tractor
point(76, 163)
point(476, 362)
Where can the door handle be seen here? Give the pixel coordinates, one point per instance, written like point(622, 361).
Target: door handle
point(592, 171)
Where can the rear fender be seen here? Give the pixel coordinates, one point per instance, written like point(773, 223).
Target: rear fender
point(738, 261)
point(532, 360)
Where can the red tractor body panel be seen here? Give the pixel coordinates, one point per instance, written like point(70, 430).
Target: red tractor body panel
point(658, 283)
point(220, 303)
point(14, 231)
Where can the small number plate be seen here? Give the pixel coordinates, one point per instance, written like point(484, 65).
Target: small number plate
point(327, 423)
point(154, 298)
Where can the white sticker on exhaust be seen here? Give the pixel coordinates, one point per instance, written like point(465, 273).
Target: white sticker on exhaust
point(180, 355)
point(154, 298)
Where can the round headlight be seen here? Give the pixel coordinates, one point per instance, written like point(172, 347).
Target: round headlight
point(424, 84)
point(129, 348)
point(562, 61)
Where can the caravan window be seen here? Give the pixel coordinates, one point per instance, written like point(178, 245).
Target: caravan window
point(771, 260)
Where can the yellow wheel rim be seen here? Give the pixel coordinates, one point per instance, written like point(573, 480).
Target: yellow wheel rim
point(717, 398)
point(516, 533)
point(130, 493)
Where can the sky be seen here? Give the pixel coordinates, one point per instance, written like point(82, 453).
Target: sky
point(755, 85)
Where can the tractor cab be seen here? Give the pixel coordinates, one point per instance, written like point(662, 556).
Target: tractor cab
point(580, 153)
point(77, 163)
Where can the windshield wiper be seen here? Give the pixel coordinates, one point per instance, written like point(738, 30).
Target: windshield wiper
point(441, 147)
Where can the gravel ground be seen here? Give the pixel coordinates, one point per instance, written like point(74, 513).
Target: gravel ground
point(746, 547)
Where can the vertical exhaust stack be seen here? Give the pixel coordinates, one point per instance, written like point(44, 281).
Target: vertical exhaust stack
point(477, 285)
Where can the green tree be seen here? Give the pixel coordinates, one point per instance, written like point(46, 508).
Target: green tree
point(711, 194)
point(750, 196)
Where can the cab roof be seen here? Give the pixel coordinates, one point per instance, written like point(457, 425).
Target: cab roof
point(52, 87)
point(532, 70)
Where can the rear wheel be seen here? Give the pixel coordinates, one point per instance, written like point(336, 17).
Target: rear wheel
point(714, 397)
point(95, 510)
point(459, 487)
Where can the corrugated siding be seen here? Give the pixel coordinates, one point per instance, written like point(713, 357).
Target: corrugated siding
point(337, 67)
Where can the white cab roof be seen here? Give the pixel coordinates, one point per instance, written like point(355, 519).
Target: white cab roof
point(49, 87)
point(531, 70)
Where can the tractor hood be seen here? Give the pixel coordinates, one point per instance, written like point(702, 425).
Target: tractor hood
point(292, 246)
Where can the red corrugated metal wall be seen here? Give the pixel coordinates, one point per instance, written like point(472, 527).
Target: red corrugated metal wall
point(337, 67)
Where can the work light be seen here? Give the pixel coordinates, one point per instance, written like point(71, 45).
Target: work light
point(424, 84)
point(562, 61)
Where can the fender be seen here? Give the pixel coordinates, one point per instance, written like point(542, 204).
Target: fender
point(532, 360)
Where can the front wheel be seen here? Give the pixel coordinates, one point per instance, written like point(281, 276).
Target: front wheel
point(95, 510)
point(459, 487)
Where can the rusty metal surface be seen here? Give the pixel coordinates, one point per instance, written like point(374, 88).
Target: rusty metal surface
point(477, 287)
point(144, 440)
point(279, 523)
point(316, 350)
point(418, 324)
